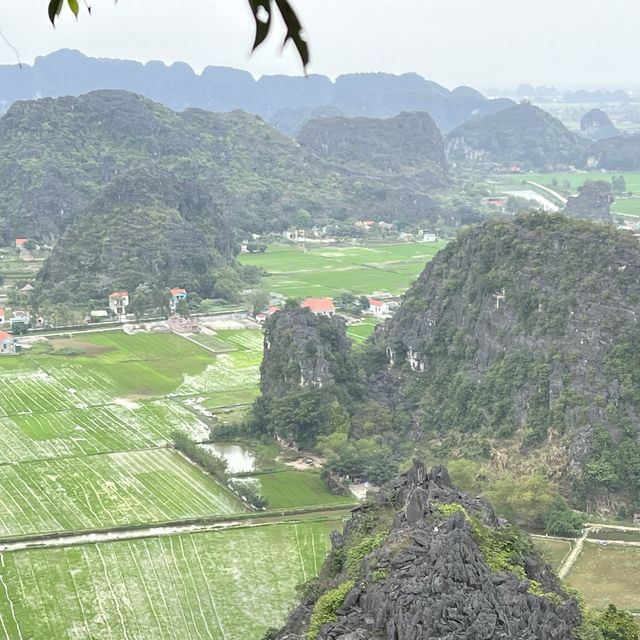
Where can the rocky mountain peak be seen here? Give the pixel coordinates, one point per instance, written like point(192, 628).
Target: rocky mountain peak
point(422, 560)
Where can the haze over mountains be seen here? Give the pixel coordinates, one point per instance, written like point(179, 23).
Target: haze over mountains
point(284, 100)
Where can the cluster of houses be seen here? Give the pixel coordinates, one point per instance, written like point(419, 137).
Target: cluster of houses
point(421, 235)
point(325, 307)
point(119, 302)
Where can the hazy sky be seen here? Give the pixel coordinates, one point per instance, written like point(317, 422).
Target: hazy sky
point(483, 43)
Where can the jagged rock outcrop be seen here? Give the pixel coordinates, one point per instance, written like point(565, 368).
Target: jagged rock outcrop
point(306, 377)
point(422, 560)
point(303, 350)
point(593, 202)
point(521, 336)
point(596, 125)
point(523, 136)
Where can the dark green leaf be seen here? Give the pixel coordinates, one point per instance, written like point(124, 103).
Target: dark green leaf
point(55, 6)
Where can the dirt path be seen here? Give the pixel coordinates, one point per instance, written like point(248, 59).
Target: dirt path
point(254, 520)
point(573, 556)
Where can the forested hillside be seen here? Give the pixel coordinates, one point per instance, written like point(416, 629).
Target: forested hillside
point(64, 165)
point(520, 337)
point(522, 135)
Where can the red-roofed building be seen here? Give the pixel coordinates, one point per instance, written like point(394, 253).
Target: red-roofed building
point(378, 307)
point(2, 314)
point(8, 344)
point(20, 242)
point(177, 294)
point(118, 303)
point(320, 306)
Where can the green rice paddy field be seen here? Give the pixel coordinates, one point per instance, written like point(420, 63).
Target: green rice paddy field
point(118, 489)
point(294, 489)
point(223, 585)
point(327, 271)
point(83, 447)
point(608, 575)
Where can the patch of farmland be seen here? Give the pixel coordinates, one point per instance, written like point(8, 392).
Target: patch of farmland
point(293, 489)
point(230, 371)
point(246, 339)
point(360, 332)
point(226, 585)
point(99, 491)
point(327, 271)
point(608, 574)
point(101, 429)
point(554, 551)
point(230, 398)
point(213, 342)
point(29, 391)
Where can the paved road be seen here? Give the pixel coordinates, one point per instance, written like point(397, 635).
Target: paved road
point(530, 194)
point(555, 194)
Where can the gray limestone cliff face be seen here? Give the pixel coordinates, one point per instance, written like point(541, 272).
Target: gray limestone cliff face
point(430, 579)
point(302, 350)
point(536, 315)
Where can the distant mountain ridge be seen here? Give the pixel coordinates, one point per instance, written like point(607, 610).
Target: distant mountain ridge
point(285, 101)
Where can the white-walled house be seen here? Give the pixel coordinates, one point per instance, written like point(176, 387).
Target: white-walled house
point(378, 308)
point(118, 303)
point(177, 294)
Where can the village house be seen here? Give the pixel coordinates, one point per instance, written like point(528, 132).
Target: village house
point(261, 317)
point(28, 288)
point(118, 303)
point(386, 227)
point(19, 320)
point(428, 236)
point(365, 224)
point(8, 344)
point(178, 324)
point(21, 242)
point(177, 294)
point(2, 315)
point(320, 306)
point(378, 308)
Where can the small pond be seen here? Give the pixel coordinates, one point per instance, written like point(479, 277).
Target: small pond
point(239, 459)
